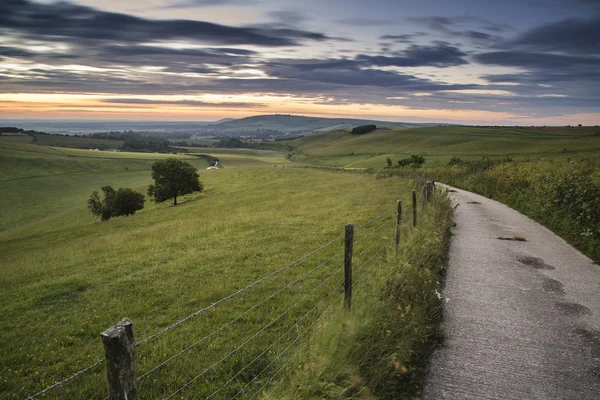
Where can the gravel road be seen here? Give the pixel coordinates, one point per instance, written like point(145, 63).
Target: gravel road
point(522, 318)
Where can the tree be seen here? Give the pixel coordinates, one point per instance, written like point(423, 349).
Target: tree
point(104, 207)
point(115, 203)
point(172, 178)
point(127, 202)
point(389, 162)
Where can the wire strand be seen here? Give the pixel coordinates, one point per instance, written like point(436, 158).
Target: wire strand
point(275, 342)
point(287, 348)
point(283, 366)
point(75, 375)
point(181, 321)
point(376, 218)
point(237, 318)
point(253, 336)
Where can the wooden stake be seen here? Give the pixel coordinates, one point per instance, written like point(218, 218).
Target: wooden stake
point(349, 243)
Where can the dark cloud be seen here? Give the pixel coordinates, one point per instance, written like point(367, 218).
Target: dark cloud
point(352, 72)
point(288, 17)
point(572, 35)
point(459, 27)
point(420, 56)
point(543, 61)
point(446, 24)
point(365, 22)
point(80, 24)
point(408, 38)
point(194, 103)
point(210, 3)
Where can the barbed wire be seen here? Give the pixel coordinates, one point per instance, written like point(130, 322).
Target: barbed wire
point(255, 335)
point(59, 384)
point(181, 321)
point(372, 232)
point(291, 358)
point(288, 347)
point(226, 298)
point(278, 340)
point(376, 218)
point(238, 317)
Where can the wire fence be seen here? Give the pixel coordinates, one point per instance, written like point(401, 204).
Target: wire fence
point(247, 342)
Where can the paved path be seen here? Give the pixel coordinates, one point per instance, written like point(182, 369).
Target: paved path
point(522, 319)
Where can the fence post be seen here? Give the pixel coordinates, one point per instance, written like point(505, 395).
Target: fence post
point(398, 223)
point(120, 363)
point(414, 207)
point(424, 197)
point(349, 242)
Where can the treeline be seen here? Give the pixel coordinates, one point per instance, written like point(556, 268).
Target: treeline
point(136, 142)
point(361, 130)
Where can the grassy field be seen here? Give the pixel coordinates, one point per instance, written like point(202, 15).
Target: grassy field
point(439, 145)
point(66, 277)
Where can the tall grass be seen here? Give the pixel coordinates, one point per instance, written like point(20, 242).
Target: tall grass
point(380, 349)
point(562, 194)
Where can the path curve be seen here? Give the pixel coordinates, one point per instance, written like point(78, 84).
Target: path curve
point(522, 318)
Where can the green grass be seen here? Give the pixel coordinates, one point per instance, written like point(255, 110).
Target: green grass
point(381, 349)
point(77, 142)
point(21, 138)
point(439, 144)
point(45, 188)
point(67, 277)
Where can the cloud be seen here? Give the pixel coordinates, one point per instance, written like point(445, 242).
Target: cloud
point(194, 103)
point(420, 56)
point(461, 27)
point(540, 61)
point(77, 25)
point(408, 38)
point(571, 35)
point(288, 17)
point(210, 3)
point(365, 21)
point(445, 24)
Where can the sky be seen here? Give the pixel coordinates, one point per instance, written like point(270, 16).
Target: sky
point(510, 62)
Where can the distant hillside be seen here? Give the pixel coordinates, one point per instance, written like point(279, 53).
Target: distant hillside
point(292, 124)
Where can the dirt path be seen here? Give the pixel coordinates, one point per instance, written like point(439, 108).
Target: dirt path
point(522, 319)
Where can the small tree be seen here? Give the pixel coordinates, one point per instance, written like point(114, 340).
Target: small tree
point(389, 162)
point(115, 203)
point(172, 178)
point(104, 207)
point(127, 202)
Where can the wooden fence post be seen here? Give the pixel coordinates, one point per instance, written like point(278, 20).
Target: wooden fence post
point(424, 197)
point(349, 242)
point(398, 223)
point(120, 364)
point(414, 207)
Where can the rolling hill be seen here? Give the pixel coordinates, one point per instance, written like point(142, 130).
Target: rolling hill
point(299, 124)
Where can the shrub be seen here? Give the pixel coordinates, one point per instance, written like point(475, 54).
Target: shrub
point(115, 203)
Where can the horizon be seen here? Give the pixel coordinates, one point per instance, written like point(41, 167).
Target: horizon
point(509, 63)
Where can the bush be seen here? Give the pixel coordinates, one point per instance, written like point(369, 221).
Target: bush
point(115, 203)
point(127, 202)
point(414, 161)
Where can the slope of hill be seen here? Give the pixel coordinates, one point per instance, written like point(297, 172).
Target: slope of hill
point(438, 144)
point(298, 124)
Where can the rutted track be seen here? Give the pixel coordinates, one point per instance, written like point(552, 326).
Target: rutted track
point(522, 319)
